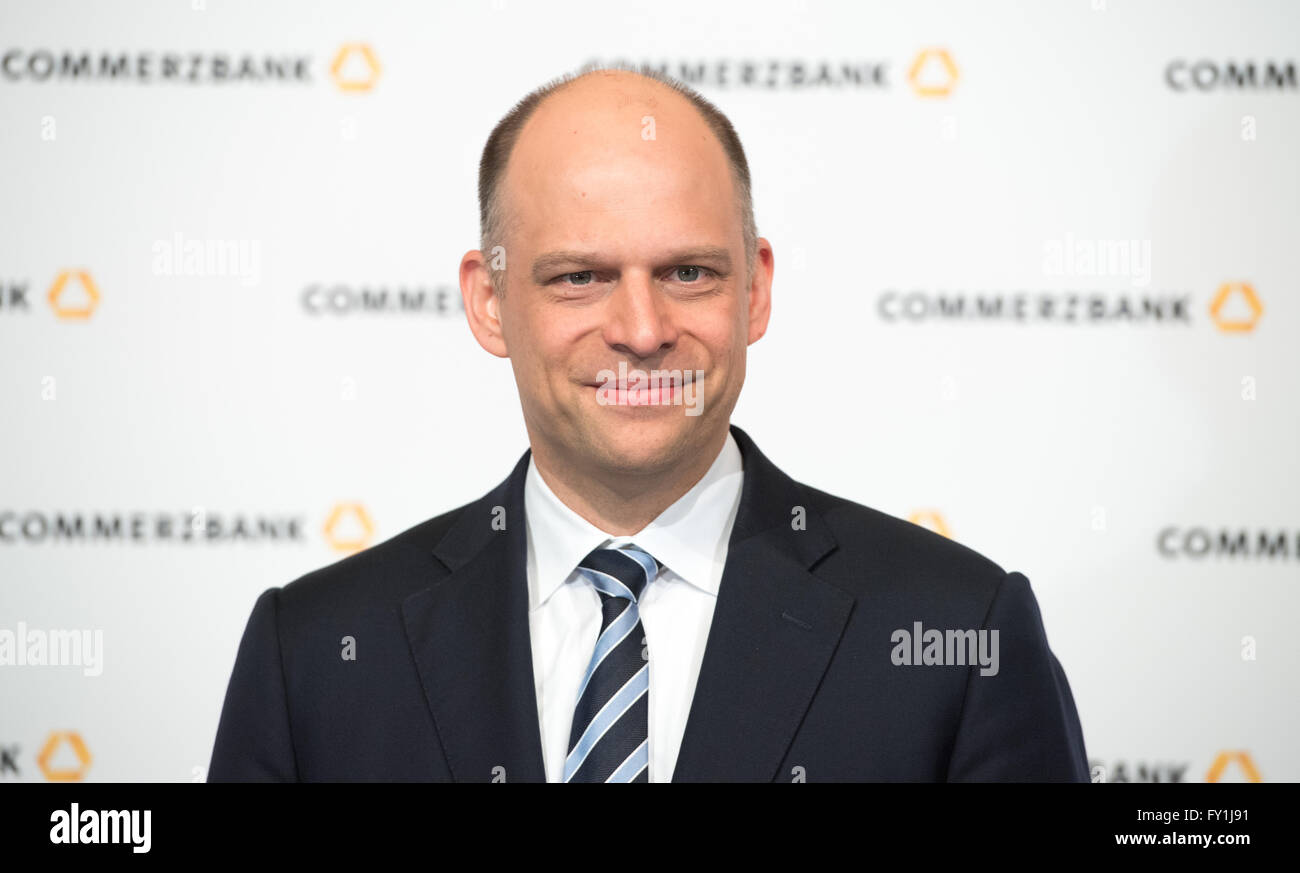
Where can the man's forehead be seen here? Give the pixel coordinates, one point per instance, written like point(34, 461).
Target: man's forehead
point(593, 125)
point(626, 219)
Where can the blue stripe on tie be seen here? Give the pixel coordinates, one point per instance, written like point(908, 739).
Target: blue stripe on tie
point(617, 631)
point(648, 564)
point(631, 691)
point(611, 585)
point(635, 763)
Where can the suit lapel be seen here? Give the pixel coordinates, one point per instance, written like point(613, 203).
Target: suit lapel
point(775, 628)
point(470, 639)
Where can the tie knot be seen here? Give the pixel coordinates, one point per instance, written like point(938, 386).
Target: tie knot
point(622, 571)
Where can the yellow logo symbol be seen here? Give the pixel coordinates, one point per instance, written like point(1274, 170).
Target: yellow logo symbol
point(64, 774)
point(1231, 292)
point(930, 519)
point(63, 298)
point(933, 73)
point(355, 68)
point(349, 528)
point(1221, 763)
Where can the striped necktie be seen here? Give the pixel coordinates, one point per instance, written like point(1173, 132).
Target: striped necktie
point(609, 739)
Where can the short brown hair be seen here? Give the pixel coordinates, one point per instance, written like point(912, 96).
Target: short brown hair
point(501, 142)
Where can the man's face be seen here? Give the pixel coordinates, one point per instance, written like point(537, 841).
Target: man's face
point(624, 252)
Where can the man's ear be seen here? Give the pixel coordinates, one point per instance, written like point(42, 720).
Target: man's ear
point(760, 290)
point(482, 305)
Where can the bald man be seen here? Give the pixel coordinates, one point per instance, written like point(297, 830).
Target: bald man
point(646, 597)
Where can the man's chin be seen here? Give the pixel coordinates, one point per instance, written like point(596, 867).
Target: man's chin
point(648, 444)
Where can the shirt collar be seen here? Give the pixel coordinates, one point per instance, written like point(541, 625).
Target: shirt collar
point(689, 537)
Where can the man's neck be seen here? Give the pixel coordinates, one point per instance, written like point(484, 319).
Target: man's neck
point(622, 505)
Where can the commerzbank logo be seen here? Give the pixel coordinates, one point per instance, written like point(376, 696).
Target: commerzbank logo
point(933, 73)
point(1233, 766)
point(1236, 308)
point(73, 295)
point(931, 519)
point(355, 68)
point(64, 757)
point(349, 527)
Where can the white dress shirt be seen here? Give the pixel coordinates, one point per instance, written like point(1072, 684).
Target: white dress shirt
point(564, 617)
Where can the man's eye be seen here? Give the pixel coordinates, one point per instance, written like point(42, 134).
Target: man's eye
point(688, 273)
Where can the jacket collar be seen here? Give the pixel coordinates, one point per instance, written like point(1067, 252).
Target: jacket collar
point(774, 630)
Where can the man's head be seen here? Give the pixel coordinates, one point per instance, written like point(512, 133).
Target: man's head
point(617, 228)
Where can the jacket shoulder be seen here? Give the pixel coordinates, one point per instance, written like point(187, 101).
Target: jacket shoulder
point(383, 574)
point(881, 554)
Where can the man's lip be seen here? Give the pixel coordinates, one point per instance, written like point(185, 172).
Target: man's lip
point(688, 377)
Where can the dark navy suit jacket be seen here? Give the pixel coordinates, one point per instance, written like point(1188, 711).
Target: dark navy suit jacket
point(797, 681)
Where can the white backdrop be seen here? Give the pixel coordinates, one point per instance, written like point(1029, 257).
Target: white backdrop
point(318, 389)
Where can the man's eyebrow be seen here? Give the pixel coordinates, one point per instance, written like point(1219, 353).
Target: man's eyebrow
point(706, 255)
point(544, 265)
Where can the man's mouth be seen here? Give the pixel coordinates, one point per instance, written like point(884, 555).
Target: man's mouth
point(665, 378)
point(659, 387)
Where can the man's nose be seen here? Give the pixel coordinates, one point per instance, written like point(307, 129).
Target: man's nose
point(638, 320)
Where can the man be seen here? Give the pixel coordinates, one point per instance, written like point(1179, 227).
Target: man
point(646, 597)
